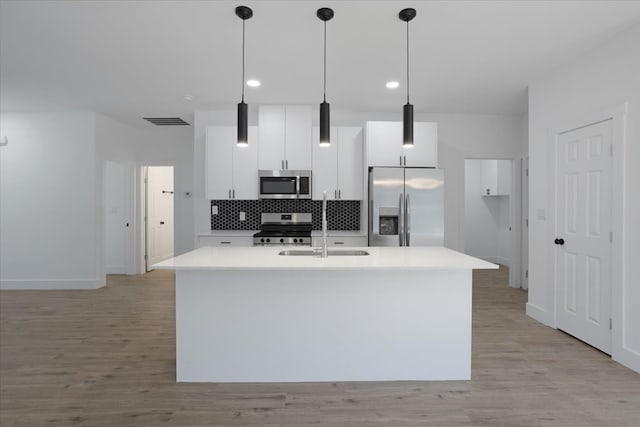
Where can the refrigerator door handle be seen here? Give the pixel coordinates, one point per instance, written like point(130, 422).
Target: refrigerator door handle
point(401, 220)
point(370, 222)
point(407, 221)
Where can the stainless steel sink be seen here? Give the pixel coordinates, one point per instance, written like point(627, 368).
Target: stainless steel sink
point(332, 252)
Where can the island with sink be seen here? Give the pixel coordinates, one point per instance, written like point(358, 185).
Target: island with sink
point(275, 314)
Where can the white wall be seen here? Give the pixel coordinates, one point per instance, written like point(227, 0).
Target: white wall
point(48, 203)
point(605, 77)
point(486, 220)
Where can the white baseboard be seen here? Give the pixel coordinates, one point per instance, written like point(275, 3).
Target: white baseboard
point(538, 314)
point(116, 269)
point(51, 284)
point(627, 357)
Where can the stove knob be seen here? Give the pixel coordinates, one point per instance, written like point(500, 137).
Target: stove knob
point(268, 240)
point(281, 240)
point(261, 240)
point(295, 240)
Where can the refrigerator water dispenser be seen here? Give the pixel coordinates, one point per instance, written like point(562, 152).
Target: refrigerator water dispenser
point(388, 221)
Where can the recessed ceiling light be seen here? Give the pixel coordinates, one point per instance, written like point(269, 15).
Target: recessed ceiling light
point(253, 83)
point(392, 85)
point(188, 97)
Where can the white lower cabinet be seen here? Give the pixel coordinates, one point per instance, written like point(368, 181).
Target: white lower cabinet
point(341, 241)
point(224, 241)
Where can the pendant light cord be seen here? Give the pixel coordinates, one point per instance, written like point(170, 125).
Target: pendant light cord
point(407, 62)
point(243, 60)
point(324, 91)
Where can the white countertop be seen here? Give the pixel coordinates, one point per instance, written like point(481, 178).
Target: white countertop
point(267, 258)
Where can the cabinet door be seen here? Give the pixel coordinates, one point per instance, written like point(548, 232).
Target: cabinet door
point(424, 152)
point(218, 167)
point(298, 137)
point(271, 136)
point(384, 143)
point(245, 167)
point(325, 164)
point(350, 167)
point(489, 175)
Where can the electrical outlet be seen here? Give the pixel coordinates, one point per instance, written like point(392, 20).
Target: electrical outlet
point(214, 210)
point(243, 216)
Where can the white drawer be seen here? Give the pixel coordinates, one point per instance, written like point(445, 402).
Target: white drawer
point(224, 241)
point(345, 241)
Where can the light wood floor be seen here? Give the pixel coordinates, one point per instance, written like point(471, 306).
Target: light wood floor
point(106, 358)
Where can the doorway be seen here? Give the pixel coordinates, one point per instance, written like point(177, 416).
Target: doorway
point(159, 214)
point(583, 238)
point(489, 213)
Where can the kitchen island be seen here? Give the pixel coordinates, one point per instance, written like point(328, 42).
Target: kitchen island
point(248, 314)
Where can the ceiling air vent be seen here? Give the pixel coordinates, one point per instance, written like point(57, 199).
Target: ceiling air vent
point(166, 121)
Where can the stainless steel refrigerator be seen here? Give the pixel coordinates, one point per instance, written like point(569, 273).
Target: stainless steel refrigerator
point(406, 206)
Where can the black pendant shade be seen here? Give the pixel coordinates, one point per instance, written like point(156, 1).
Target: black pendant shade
point(407, 125)
point(243, 123)
point(325, 124)
point(325, 14)
point(244, 13)
point(407, 15)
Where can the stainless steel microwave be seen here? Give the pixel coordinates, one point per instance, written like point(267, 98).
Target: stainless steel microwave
point(285, 184)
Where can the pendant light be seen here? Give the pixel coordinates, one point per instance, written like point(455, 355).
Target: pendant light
point(244, 13)
point(407, 111)
point(325, 14)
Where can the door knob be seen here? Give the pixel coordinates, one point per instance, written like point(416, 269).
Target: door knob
point(559, 241)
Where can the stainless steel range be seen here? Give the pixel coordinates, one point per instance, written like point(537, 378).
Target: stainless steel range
point(284, 229)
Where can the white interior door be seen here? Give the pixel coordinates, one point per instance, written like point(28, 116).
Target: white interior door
point(583, 241)
point(159, 214)
point(118, 186)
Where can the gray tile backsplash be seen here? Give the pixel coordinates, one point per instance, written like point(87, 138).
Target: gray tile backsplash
point(341, 214)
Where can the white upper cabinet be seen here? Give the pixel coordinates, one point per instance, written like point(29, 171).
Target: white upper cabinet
point(424, 152)
point(325, 166)
point(384, 145)
point(338, 168)
point(350, 163)
point(496, 177)
point(285, 137)
point(231, 170)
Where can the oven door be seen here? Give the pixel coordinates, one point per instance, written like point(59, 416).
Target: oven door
point(279, 187)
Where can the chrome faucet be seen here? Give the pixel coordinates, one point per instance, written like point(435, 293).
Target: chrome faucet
point(325, 251)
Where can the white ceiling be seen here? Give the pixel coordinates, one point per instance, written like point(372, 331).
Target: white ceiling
point(130, 59)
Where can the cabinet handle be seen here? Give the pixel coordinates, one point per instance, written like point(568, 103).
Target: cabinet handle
point(400, 160)
point(339, 194)
point(338, 243)
point(286, 163)
point(229, 193)
point(335, 194)
point(282, 163)
point(405, 160)
point(225, 243)
point(234, 193)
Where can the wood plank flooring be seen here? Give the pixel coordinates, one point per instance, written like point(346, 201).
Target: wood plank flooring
point(106, 358)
